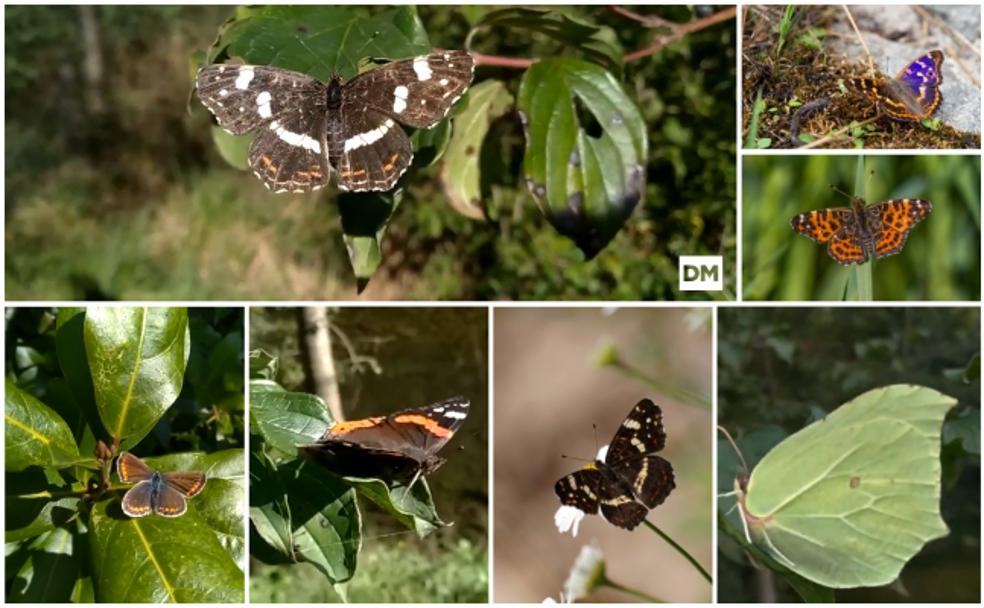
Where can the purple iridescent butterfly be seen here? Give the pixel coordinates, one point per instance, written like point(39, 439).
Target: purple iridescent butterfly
point(913, 95)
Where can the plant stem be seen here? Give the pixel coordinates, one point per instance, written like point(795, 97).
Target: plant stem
point(679, 549)
point(681, 394)
point(862, 272)
point(638, 594)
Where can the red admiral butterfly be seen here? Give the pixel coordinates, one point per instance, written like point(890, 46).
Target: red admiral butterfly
point(631, 473)
point(397, 447)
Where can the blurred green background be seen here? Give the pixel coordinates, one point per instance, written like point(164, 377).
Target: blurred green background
point(389, 359)
point(941, 258)
point(114, 188)
point(781, 368)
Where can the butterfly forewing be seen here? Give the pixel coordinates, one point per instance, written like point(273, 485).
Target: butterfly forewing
point(640, 433)
point(580, 489)
point(189, 483)
point(913, 95)
point(417, 92)
point(131, 469)
point(821, 225)
point(653, 478)
point(891, 222)
point(244, 97)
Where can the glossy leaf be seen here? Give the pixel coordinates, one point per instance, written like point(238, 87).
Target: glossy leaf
point(461, 172)
point(414, 509)
point(70, 348)
point(34, 435)
point(183, 559)
point(365, 216)
point(285, 419)
point(50, 570)
point(137, 357)
point(306, 515)
point(585, 149)
point(321, 40)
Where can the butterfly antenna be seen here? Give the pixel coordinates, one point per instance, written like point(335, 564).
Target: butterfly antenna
point(741, 457)
point(839, 191)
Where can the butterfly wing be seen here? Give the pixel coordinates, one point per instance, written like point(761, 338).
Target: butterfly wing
point(846, 247)
point(138, 500)
point(288, 154)
point(651, 478)
point(417, 92)
point(131, 469)
point(168, 501)
point(891, 222)
point(821, 225)
point(922, 79)
point(374, 152)
point(581, 489)
point(639, 434)
point(189, 483)
point(622, 511)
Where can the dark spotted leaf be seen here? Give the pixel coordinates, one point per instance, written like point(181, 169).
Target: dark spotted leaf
point(585, 149)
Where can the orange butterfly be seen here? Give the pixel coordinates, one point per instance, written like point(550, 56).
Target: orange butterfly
point(853, 233)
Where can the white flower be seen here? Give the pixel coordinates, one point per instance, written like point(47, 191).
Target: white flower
point(568, 518)
point(602, 453)
point(588, 570)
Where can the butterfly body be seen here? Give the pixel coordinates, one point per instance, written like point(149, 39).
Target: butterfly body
point(165, 494)
point(913, 95)
point(630, 479)
point(401, 446)
point(305, 128)
point(857, 233)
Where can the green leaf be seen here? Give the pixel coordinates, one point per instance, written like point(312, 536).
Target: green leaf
point(285, 419)
point(850, 499)
point(596, 44)
point(70, 349)
point(461, 173)
point(306, 515)
point(36, 503)
point(51, 569)
point(364, 220)
point(263, 365)
point(414, 508)
point(321, 40)
point(137, 357)
point(586, 169)
point(34, 434)
point(160, 559)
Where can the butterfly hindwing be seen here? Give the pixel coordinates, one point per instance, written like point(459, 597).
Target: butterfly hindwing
point(138, 500)
point(652, 478)
point(372, 153)
point(581, 489)
point(913, 95)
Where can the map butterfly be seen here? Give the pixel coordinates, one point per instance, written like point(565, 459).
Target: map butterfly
point(631, 479)
point(305, 127)
point(854, 233)
point(913, 95)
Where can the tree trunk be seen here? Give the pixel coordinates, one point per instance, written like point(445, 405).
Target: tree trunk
point(316, 337)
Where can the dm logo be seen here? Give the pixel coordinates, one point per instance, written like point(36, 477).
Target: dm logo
point(701, 273)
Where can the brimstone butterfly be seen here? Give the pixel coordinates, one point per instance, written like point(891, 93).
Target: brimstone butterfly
point(850, 499)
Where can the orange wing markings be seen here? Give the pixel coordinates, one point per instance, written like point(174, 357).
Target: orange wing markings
point(852, 235)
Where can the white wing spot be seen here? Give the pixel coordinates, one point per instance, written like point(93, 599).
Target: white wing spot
point(242, 109)
point(422, 68)
point(369, 137)
point(400, 95)
point(244, 78)
point(296, 139)
point(223, 92)
point(443, 82)
point(263, 104)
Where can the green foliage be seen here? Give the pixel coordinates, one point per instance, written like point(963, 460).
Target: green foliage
point(75, 382)
point(779, 369)
point(940, 261)
point(156, 226)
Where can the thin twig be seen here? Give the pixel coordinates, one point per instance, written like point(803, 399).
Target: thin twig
point(680, 30)
point(838, 133)
point(647, 20)
point(850, 17)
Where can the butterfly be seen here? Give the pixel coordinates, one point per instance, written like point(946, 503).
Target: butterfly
point(305, 127)
point(400, 446)
point(854, 233)
point(913, 95)
point(161, 493)
point(630, 479)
